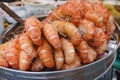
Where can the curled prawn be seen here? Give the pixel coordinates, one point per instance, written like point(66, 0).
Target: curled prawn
point(26, 45)
point(45, 54)
point(68, 50)
point(86, 29)
point(12, 53)
point(99, 38)
point(99, 41)
point(88, 6)
point(59, 59)
point(33, 29)
point(85, 6)
point(86, 53)
point(95, 17)
point(27, 53)
point(102, 10)
point(51, 35)
point(68, 29)
point(66, 12)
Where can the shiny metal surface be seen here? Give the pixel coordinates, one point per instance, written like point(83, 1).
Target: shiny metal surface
point(87, 72)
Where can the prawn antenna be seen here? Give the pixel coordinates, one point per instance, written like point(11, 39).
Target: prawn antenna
point(56, 15)
point(77, 6)
point(3, 37)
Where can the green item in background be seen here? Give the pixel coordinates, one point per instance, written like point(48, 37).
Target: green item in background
point(116, 64)
point(112, 10)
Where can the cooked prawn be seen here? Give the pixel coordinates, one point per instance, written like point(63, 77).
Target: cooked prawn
point(24, 61)
point(68, 50)
point(12, 53)
point(51, 35)
point(88, 6)
point(86, 29)
point(33, 28)
point(99, 38)
point(95, 17)
point(102, 10)
point(83, 6)
point(59, 59)
point(66, 28)
point(3, 62)
point(27, 45)
point(45, 54)
point(86, 53)
point(68, 12)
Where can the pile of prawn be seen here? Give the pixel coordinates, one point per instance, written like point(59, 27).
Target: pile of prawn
point(72, 35)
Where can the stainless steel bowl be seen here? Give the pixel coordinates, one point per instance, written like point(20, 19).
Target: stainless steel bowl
point(87, 72)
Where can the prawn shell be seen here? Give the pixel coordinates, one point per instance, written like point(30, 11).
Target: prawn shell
point(26, 45)
point(12, 57)
point(66, 12)
point(59, 59)
point(51, 35)
point(86, 29)
point(3, 62)
point(86, 53)
point(68, 50)
point(68, 29)
point(11, 53)
point(33, 29)
point(45, 54)
point(98, 39)
point(24, 61)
